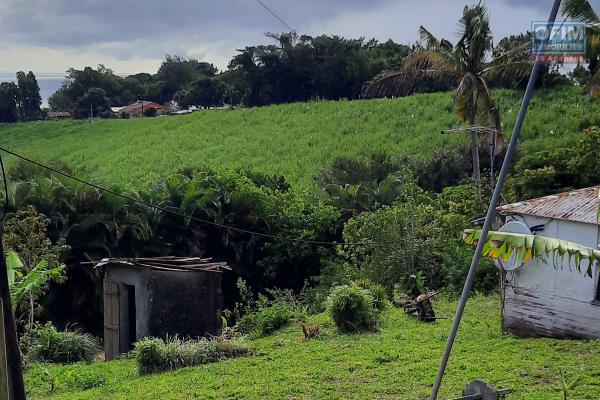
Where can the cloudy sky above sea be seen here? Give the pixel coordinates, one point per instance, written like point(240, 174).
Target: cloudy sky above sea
point(130, 36)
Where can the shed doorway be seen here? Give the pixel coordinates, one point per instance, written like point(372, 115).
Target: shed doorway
point(120, 333)
point(127, 327)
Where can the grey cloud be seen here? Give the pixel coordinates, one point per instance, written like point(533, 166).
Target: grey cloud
point(79, 23)
point(143, 31)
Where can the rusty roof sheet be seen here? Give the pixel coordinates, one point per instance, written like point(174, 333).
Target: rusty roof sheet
point(170, 263)
point(579, 205)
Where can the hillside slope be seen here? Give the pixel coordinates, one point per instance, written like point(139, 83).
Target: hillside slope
point(295, 140)
point(399, 362)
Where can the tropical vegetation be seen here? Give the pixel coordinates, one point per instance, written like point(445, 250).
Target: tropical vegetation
point(582, 11)
point(325, 210)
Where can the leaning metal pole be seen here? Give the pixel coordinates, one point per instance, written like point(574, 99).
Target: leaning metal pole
point(491, 212)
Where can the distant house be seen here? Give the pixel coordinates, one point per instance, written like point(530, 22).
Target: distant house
point(59, 114)
point(116, 110)
point(139, 108)
point(539, 299)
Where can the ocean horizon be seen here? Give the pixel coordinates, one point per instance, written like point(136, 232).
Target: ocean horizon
point(48, 83)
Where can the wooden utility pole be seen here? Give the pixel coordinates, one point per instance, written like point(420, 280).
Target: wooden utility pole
point(10, 368)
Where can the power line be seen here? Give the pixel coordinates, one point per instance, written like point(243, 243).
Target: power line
point(167, 210)
point(275, 15)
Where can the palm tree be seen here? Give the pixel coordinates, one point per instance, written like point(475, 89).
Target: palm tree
point(464, 63)
point(582, 11)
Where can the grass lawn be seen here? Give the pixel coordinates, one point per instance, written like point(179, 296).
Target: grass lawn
point(399, 362)
point(293, 140)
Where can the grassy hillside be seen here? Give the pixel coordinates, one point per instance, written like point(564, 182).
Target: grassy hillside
point(295, 140)
point(400, 361)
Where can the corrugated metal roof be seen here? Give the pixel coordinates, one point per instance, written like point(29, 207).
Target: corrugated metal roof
point(579, 205)
point(170, 263)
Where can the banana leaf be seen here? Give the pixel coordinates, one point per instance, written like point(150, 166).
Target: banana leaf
point(503, 245)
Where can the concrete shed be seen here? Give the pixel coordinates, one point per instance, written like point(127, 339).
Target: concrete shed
point(159, 297)
point(544, 299)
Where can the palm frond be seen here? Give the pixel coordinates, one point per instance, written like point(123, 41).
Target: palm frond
point(430, 42)
point(386, 83)
point(427, 39)
point(476, 38)
point(579, 10)
point(489, 114)
point(465, 97)
point(516, 69)
point(417, 66)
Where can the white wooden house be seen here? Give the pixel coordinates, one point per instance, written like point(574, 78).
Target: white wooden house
point(544, 299)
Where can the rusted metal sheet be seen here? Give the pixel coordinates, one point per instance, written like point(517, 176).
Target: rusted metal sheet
point(169, 263)
point(579, 206)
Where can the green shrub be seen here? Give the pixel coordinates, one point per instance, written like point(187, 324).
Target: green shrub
point(379, 293)
point(45, 343)
point(352, 309)
point(157, 355)
point(380, 296)
point(151, 355)
point(266, 319)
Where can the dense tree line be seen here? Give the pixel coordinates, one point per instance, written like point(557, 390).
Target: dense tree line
point(297, 68)
point(294, 68)
point(20, 101)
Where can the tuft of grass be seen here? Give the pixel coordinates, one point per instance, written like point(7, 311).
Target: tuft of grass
point(352, 309)
point(156, 355)
point(46, 344)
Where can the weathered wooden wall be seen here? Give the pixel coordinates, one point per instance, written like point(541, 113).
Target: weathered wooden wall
point(111, 319)
point(541, 300)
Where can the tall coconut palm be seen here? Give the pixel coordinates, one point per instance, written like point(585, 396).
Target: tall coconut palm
point(582, 11)
point(466, 64)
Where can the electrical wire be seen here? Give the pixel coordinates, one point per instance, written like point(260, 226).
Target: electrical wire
point(276, 16)
point(167, 210)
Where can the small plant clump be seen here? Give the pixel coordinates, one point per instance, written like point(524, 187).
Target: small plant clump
point(156, 355)
point(271, 312)
point(352, 308)
point(267, 319)
point(46, 344)
point(379, 293)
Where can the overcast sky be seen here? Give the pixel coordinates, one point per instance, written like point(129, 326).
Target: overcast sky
point(129, 36)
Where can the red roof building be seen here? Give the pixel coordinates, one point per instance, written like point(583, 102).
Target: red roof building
point(138, 108)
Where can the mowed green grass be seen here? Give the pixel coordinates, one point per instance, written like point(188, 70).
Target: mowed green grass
point(294, 140)
point(399, 362)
